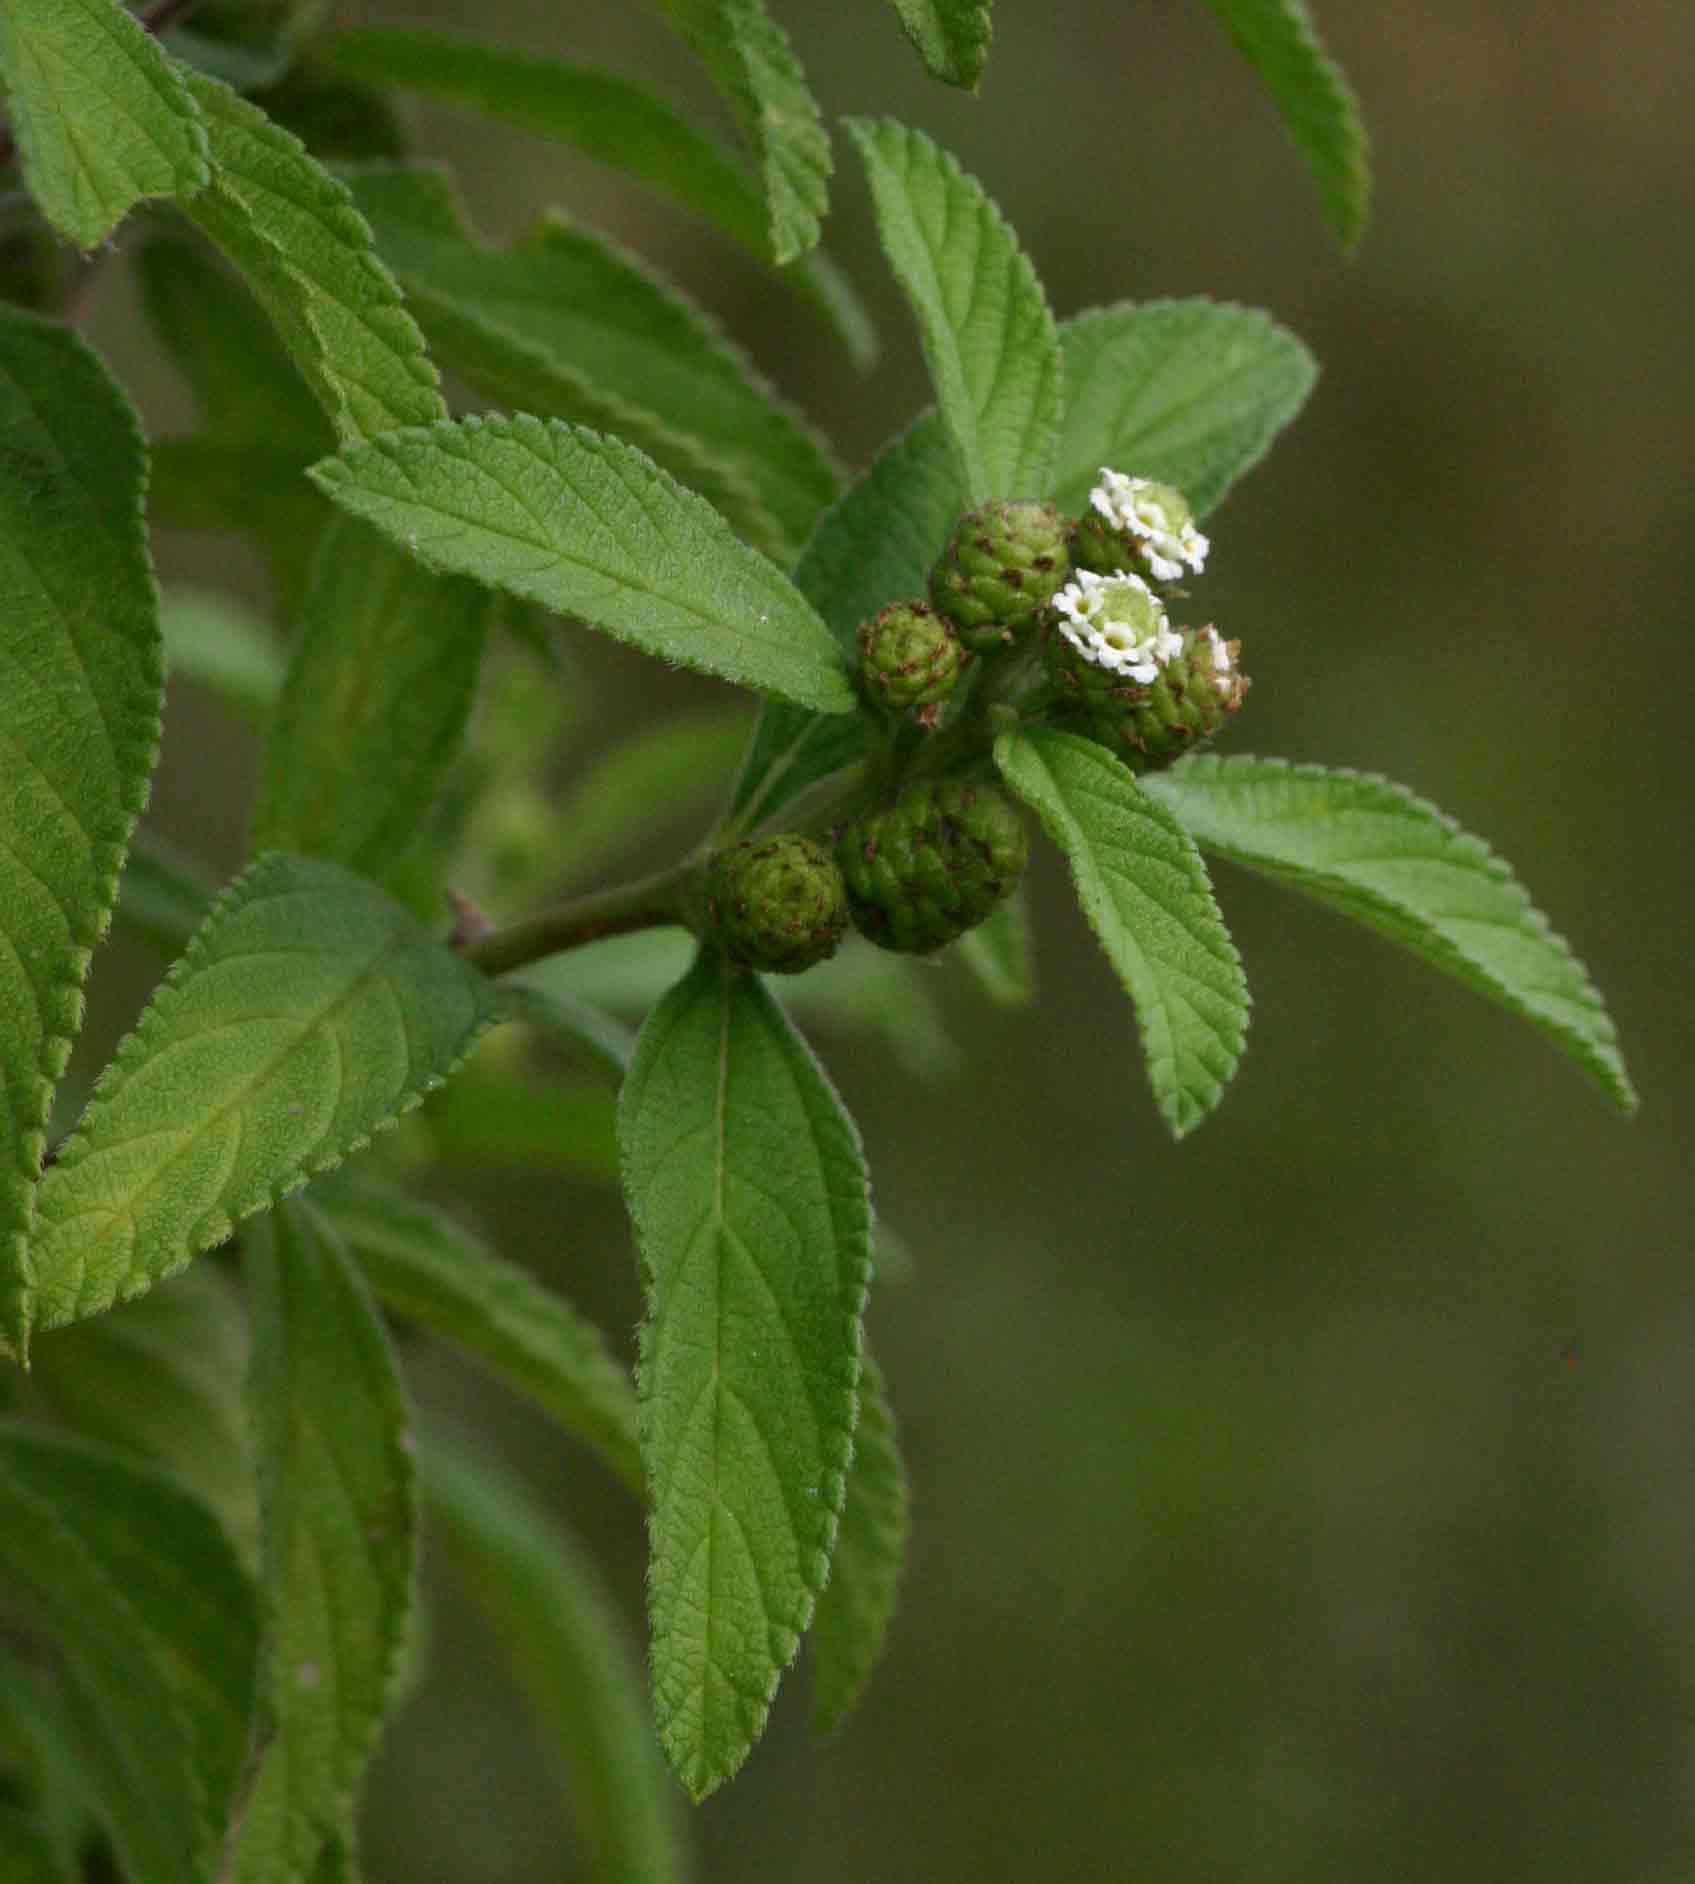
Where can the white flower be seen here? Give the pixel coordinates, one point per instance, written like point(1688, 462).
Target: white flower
point(1221, 661)
point(1156, 518)
point(1117, 623)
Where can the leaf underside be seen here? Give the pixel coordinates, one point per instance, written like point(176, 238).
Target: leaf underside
point(310, 1012)
point(1377, 853)
point(103, 119)
point(752, 1214)
point(1144, 889)
point(81, 684)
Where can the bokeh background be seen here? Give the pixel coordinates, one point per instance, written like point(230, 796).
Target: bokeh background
point(1314, 1500)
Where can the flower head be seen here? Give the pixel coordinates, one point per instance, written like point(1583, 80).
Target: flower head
point(1117, 622)
point(1223, 663)
point(1156, 518)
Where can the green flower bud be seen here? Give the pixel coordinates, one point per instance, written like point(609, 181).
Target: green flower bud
point(909, 656)
point(1148, 724)
point(1135, 526)
point(922, 871)
point(1000, 567)
point(777, 903)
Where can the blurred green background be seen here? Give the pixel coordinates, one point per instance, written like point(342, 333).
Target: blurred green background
point(1315, 1500)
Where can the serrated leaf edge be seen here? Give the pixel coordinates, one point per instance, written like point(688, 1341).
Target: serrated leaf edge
point(138, 1043)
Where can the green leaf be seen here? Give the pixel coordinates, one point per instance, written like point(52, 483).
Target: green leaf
point(378, 698)
point(430, 1270)
point(609, 118)
point(566, 1648)
point(952, 37)
point(125, 1712)
point(307, 254)
point(1189, 392)
point(855, 1610)
point(1372, 850)
point(102, 118)
point(1278, 39)
point(215, 642)
point(161, 1377)
point(27, 1854)
point(310, 1012)
point(334, 1438)
point(748, 57)
point(246, 387)
point(588, 526)
point(164, 896)
point(752, 1213)
point(43, 1769)
point(1144, 889)
point(170, 1557)
point(81, 680)
point(998, 953)
point(567, 326)
point(874, 546)
point(988, 336)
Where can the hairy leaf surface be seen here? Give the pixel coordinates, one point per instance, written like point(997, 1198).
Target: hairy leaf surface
point(373, 716)
point(988, 336)
point(1144, 889)
point(334, 1438)
point(610, 118)
point(125, 1715)
point(81, 680)
point(1190, 392)
point(568, 326)
point(1278, 39)
point(167, 1553)
point(748, 57)
point(952, 37)
point(875, 545)
point(102, 118)
point(309, 1012)
point(588, 526)
point(564, 1643)
point(855, 1610)
point(433, 1271)
point(752, 1213)
point(1372, 850)
point(307, 253)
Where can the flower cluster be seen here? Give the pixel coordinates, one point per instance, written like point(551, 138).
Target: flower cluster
point(1155, 519)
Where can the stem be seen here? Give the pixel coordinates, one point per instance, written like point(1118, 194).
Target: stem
point(650, 903)
point(159, 18)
